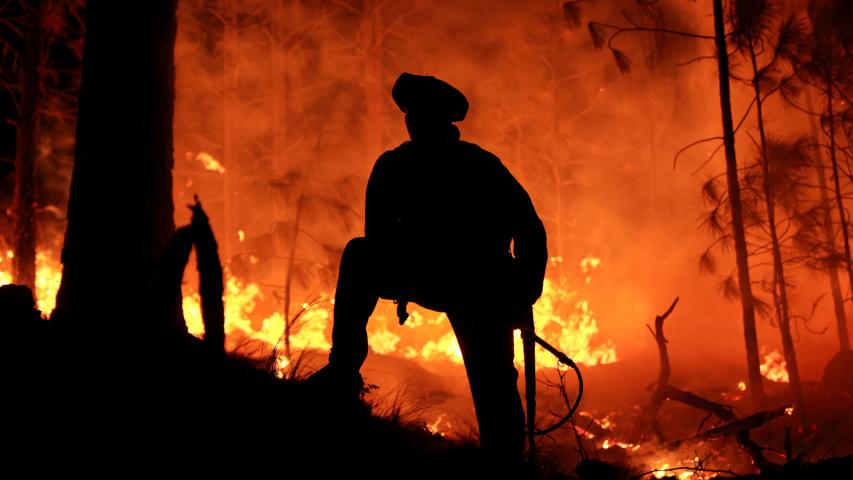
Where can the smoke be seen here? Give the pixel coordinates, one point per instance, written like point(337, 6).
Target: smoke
point(294, 99)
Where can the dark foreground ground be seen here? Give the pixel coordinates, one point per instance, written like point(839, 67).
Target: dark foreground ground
point(144, 407)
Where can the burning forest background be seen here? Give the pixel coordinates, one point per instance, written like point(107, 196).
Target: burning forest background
point(609, 119)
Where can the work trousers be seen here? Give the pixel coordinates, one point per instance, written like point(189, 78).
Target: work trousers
point(482, 330)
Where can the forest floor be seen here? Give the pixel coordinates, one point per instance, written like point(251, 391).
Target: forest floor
point(148, 405)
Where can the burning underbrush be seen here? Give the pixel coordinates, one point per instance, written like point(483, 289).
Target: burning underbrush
point(629, 426)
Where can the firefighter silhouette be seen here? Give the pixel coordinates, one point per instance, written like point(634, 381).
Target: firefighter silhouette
point(448, 227)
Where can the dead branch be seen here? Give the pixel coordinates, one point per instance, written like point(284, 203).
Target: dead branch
point(663, 391)
point(650, 413)
point(721, 411)
point(737, 426)
point(210, 280)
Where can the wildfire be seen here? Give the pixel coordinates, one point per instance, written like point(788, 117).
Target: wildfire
point(774, 368)
point(440, 426)
point(661, 471)
point(561, 318)
point(240, 303)
point(48, 276)
point(569, 324)
point(607, 444)
point(446, 346)
point(210, 163)
point(588, 264)
point(680, 470)
point(5, 277)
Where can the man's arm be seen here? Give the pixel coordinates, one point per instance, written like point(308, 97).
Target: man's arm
point(529, 241)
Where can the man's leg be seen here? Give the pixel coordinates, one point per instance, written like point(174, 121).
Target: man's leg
point(355, 298)
point(486, 342)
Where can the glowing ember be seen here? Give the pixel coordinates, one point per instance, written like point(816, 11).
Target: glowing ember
point(440, 426)
point(210, 163)
point(5, 276)
point(789, 411)
point(241, 235)
point(588, 264)
point(741, 386)
point(607, 444)
point(774, 368)
point(281, 364)
point(661, 471)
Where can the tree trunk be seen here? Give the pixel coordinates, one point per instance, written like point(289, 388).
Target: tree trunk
point(24, 240)
point(288, 279)
point(829, 232)
point(120, 210)
point(839, 198)
point(554, 164)
point(780, 287)
point(230, 207)
point(756, 388)
point(373, 85)
point(280, 91)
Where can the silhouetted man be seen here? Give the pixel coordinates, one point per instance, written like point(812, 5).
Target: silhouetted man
point(449, 228)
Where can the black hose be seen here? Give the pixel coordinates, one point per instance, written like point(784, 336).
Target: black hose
point(565, 360)
point(575, 406)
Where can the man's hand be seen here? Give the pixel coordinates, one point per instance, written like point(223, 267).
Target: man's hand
point(525, 284)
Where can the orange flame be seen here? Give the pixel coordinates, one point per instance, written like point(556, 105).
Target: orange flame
point(774, 368)
point(6, 276)
point(210, 163)
point(561, 318)
point(48, 277)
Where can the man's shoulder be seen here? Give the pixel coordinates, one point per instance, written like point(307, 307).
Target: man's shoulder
point(466, 151)
point(476, 151)
point(392, 157)
point(398, 151)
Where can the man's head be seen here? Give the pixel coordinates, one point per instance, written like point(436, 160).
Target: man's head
point(430, 105)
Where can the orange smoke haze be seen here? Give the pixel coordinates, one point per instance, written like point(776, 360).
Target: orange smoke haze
point(291, 100)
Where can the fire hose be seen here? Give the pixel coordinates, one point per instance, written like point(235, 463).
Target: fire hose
point(529, 340)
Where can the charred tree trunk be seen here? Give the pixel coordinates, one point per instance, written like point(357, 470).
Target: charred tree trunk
point(373, 85)
point(24, 240)
point(555, 164)
point(829, 232)
point(289, 322)
point(210, 281)
point(839, 198)
point(280, 90)
point(780, 287)
point(230, 71)
point(120, 211)
point(756, 388)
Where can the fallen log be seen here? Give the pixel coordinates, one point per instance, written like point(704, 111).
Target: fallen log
point(736, 427)
point(664, 391)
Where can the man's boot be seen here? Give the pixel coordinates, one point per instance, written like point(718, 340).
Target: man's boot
point(336, 384)
point(355, 299)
